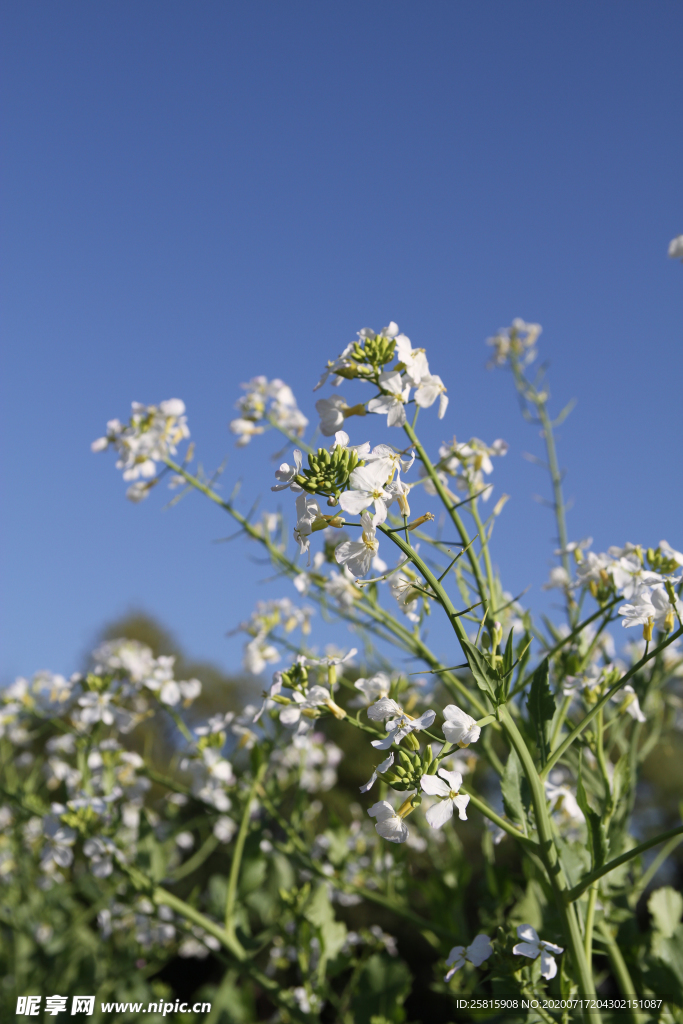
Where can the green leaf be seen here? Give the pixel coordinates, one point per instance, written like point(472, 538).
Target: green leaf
point(541, 707)
point(666, 907)
point(484, 676)
point(597, 833)
point(667, 953)
point(511, 789)
point(383, 985)
point(321, 915)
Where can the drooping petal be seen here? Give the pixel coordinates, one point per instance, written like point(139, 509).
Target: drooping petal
point(394, 829)
point(548, 965)
point(461, 801)
point(479, 950)
point(381, 810)
point(440, 813)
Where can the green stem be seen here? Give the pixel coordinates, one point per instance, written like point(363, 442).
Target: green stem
point(483, 540)
point(163, 897)
point(648, 875)
point(621, 972)
point(450, 508)
point(565, 640)
point(590, 921)
point(239, 850)
point(587, 880)
point(196, 860)
point(548, 852)
point(585, 721)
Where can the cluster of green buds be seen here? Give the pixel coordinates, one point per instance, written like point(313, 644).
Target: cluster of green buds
point(375, 351)
point(295, 677)
point(409, 768)
point(604, 590)
point(659, 562)
point(328, 472)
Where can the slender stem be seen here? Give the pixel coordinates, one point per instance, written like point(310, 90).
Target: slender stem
point(196, 860)
point(239, 850)
point(621, 972)
point(648, 875)
point(340, 883)
point(163, 897)
point(450, 508)
point(433, 582)
point(548, 852)
point(588, 718)
point(565, 640)
point(590, 921)
point(587, 880)
point(483, 539)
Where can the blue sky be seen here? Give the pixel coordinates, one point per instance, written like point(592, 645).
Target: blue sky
point(197, 193)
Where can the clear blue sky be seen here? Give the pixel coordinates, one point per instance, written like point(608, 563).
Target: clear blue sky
point(199, 192)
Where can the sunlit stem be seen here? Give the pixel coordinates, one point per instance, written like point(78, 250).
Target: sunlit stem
point(548, 852)
point(450, 508)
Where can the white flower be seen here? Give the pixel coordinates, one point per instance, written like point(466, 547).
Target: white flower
point(379, 770)
point(367, 488)
point(60, 840)
point(257, 654)
point(389, 825)
point(359, 554)
point(307, 511)
point(272, 401)
point(431, 388)
point(459, 727)
point(667, 550)
point(341, 587)
point(292, 715)
point(274, 691)
point(332, 414)
point(676, 248)
point(558, 579)
point(629, 703)
point(224, 829)
point(594, 568)
point(478, 951)
point(96, 708)
point(245, 429)
point(391, 461)
point(445, 785)
point(373, 688)
point(393, 401)
point(651, 608)
point(99, 850)
point(152, 434)
point(563, 803)
point(534, 947)
point(340, 363)
point(286, 474)
point(520, 339)
point(400, 725)
point(414, 360)
point(631, 578)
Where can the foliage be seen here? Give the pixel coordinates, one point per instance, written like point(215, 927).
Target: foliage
point(151, 820)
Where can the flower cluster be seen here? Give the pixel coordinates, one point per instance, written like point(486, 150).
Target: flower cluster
point(267, 403)
point(516, 342)
point(152, 434)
